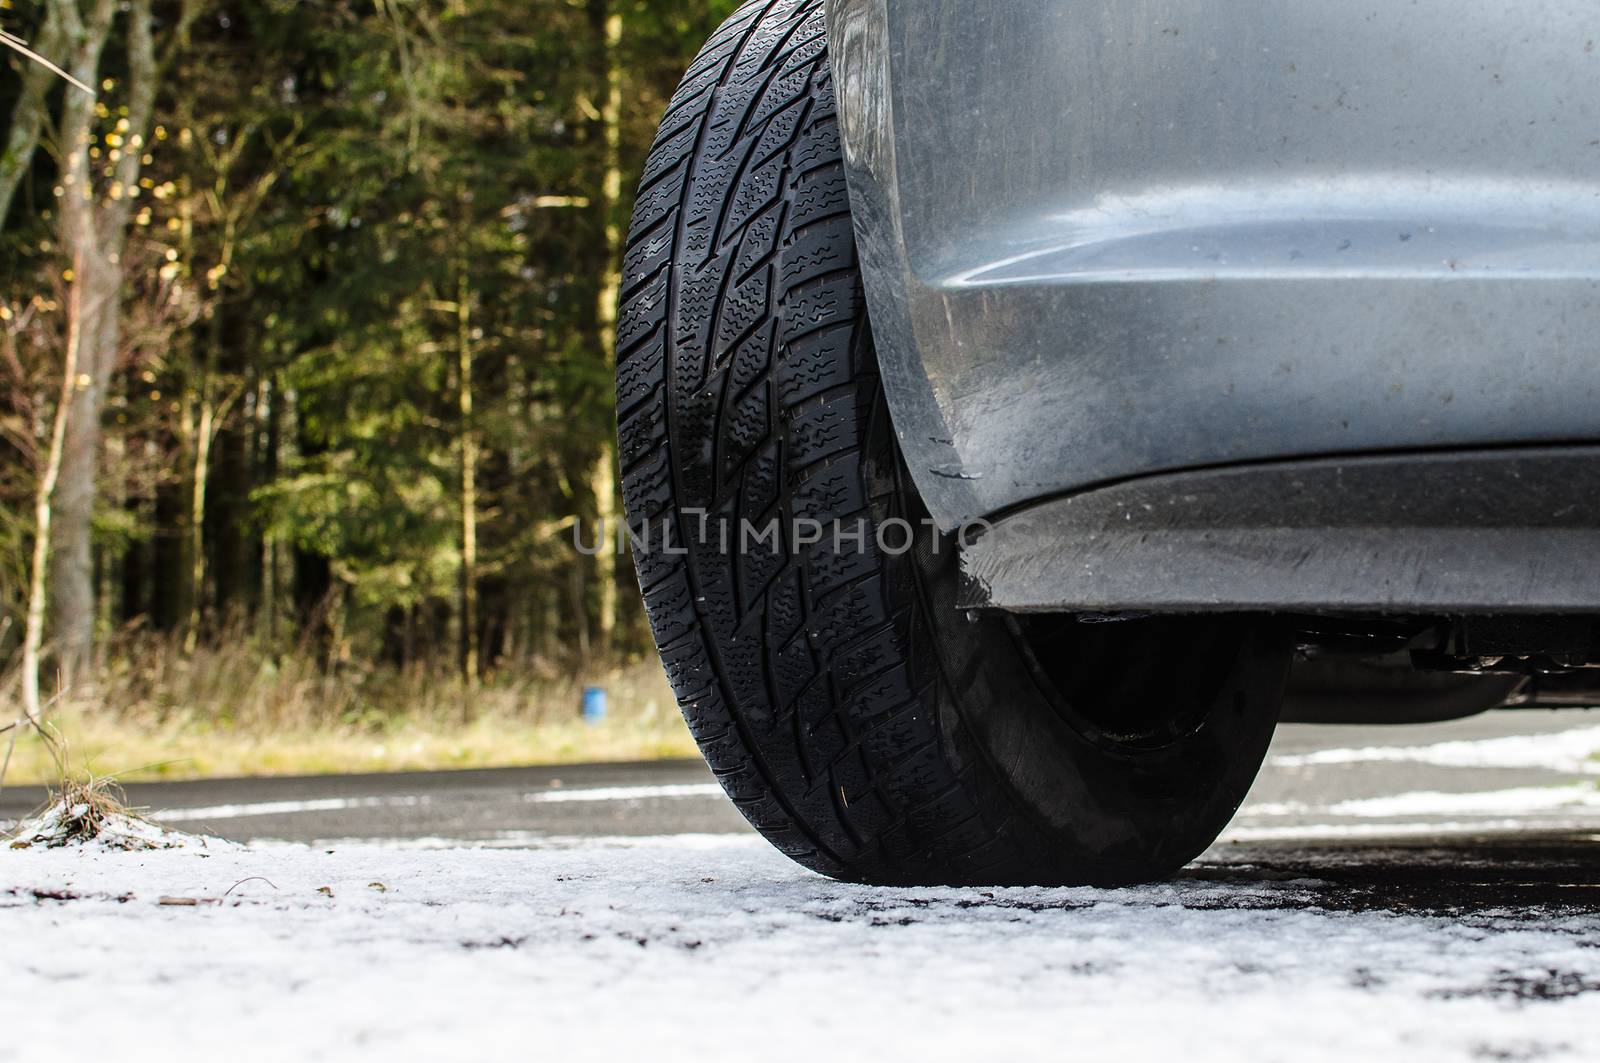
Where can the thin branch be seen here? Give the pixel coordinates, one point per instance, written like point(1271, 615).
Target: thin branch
point(12, 41)
point(29, 112)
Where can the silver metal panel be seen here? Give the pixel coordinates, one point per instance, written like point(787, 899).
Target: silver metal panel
point(1497, 531)
point(1106, 239)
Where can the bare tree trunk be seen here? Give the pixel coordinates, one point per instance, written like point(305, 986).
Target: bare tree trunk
point(209, 412)
point(33, 633)
point(72, 575)
point(28, 113)
point(272, 552)
point(605, 476)
point(94, 233)
point(205, 436)
point(469, 483)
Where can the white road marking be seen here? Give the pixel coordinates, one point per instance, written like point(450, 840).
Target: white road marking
point(625, 793)
point(283, 808)
point(1480, 803)
point(1441, 803)
point(1569, 751)
point(1377, 831)
point(342, 804)
point(527, 839)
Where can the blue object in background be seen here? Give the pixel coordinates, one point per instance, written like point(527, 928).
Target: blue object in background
point(594, 704)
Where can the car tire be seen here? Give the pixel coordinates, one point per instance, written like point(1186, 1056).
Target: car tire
point(869, 728)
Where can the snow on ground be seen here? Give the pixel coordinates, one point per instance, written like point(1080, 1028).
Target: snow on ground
point(78, 823)
point(705, 947)
point(1433, 900)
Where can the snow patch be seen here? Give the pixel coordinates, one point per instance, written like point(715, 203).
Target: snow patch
point(665, 952)
point(59, 826)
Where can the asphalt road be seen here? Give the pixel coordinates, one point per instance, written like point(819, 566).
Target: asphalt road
point(1514, 777)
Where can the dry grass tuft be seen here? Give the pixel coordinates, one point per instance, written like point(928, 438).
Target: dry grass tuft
point(86, 809)
point(80, 811)
point(156, 712)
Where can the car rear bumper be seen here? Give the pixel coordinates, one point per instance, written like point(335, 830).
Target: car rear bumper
point(1504, 531)
point(1109, 240)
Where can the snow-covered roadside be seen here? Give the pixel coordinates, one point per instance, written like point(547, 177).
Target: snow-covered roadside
point(722, 949)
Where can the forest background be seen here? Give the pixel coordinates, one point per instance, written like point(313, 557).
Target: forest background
point(305, 374)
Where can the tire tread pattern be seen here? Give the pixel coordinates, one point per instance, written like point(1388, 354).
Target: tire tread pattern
point(747, 390)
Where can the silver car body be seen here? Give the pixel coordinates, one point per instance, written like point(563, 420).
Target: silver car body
point(1111, 239)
